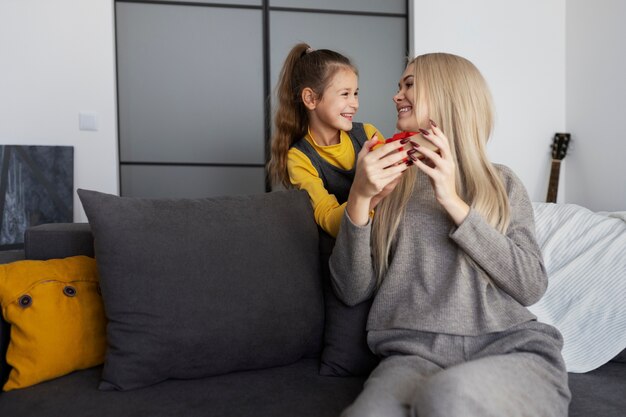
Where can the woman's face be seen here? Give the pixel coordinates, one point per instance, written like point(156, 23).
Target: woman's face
point(410, 116)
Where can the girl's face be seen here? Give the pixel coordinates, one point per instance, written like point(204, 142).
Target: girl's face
point(339, 103)
point(409, 120)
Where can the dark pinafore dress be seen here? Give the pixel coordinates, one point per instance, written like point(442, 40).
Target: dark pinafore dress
point(339, 359)
point(337, 181)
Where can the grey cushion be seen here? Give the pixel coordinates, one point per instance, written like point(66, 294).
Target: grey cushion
point(201, 287)
point(345, 351)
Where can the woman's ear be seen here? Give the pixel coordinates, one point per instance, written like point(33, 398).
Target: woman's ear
point(309, 98)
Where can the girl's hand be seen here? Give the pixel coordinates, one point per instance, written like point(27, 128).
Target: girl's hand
point(377, 173)
point(384, 193)
point(441, 170)
point(375, 169)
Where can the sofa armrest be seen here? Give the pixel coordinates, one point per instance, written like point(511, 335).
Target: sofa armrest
point(58, 240)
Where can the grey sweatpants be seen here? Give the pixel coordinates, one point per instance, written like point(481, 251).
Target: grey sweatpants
point(518, 372)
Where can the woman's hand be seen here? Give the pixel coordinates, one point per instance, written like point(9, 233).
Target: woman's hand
point(441, 169)
point(377, 173)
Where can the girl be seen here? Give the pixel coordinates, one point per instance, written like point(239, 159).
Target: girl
point(451, 261)
point(315, 142)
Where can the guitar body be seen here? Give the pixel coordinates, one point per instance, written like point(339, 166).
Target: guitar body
point(559, 150)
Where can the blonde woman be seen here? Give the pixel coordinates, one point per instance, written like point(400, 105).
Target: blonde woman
point(452, 262)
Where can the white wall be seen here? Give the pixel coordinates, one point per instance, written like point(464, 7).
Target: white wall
point(56, 59)
point(520, 49)
point(596, 104)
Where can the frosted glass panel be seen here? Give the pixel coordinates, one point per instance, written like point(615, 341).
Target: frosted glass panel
point(190, 182)
point(387, 6)
point(233, 2)
point(377, 45)
point(190, 84)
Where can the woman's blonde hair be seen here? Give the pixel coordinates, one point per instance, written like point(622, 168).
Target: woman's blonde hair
point(457, 98)
point(304, 67)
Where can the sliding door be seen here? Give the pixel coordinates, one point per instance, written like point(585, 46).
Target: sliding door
point(195, 81)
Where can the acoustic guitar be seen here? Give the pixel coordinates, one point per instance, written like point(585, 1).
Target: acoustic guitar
point(559, 150)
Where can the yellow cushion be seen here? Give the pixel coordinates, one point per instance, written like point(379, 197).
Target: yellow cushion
point(56, 316)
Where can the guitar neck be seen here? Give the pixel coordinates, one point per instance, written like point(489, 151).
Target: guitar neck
point(553, 185)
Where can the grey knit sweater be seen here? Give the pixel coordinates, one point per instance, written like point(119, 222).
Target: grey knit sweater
point(429, 285)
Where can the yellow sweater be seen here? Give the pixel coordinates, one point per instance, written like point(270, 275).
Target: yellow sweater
point(326, 209)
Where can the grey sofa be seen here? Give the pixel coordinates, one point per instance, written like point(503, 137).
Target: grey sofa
point(289, 389)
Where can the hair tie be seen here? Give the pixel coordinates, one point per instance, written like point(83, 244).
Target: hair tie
point(307, 51)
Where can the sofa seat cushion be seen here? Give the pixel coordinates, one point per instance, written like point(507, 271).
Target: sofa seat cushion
point(599, 393)
point(293, 390)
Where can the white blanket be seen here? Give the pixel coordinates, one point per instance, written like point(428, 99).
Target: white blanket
point(585, 257)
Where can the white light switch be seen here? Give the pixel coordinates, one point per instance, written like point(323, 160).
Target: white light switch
point(88, 120)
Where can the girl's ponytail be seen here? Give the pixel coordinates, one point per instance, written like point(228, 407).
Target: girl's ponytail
point(290, 120)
